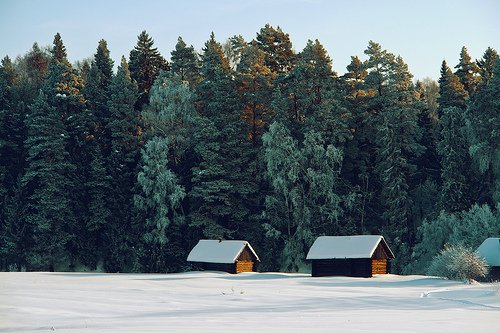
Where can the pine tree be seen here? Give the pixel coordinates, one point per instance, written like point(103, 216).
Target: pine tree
point(277, 46)
point(467, 71)
point(451, 90)
point(353, 80)
point(145, 65)
point(46, 184)
point(486, 65)
point(254, 81)
point(185, 63)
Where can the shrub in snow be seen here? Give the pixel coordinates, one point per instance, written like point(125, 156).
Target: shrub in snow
point(468, 228)
point(458, 263)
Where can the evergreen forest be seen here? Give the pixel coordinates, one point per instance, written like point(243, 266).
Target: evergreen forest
point(124, 167)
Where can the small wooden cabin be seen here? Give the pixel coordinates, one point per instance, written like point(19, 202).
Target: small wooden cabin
point(490, 251)
point(357, 256)
point(232, 256)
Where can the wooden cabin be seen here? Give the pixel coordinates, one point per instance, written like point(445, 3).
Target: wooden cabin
point(232, 256)
point(489, 250)
point(357, 256)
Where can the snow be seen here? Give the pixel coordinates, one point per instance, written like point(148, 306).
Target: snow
point(248, 302)
point(215, 251)
point(490, 251)
point(341, 247)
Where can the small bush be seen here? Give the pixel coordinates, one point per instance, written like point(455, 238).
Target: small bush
point(458, 263)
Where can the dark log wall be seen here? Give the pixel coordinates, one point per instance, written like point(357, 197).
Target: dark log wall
point(342, 267)
point(208, 266)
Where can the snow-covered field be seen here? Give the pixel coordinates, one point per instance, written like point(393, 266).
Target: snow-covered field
point(249, 302)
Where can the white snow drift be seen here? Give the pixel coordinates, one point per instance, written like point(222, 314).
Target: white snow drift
point(249, 302)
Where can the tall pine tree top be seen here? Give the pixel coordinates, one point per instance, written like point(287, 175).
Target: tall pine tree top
point(467, 71)
point(213, 59)
point(59, 50)
point(451, 90)
point(145, 65)
point(486, 65)
point(278, 48)
point(185, 62)
point(104, 62)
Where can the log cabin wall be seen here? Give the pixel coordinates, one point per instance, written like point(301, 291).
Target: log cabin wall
point(244, 266)
point(359, 267)
point(210, 266)
point(379, 266)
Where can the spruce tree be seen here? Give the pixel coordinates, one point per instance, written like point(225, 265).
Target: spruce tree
point(10, 152)
point(47, 214)
point(97, 93)
point(221, 183)
point(451, 90)
point(98, 213)
point(145, 65)
point(124, 130)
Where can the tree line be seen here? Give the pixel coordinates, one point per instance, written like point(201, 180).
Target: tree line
point(124, 171)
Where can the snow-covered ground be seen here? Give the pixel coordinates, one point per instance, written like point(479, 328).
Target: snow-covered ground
point(249, 302)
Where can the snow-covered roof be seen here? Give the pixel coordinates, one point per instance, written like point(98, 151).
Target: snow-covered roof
point(490, 251)
point(341, 247)
point(219, 251)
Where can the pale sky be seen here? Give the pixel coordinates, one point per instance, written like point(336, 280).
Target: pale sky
point(422, 32)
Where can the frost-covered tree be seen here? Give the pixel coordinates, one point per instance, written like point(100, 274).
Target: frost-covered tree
point(468, 229)
point(304, 201)
point(483, 133)
point(160, 194)
point(456, 191)
point(458, 263)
